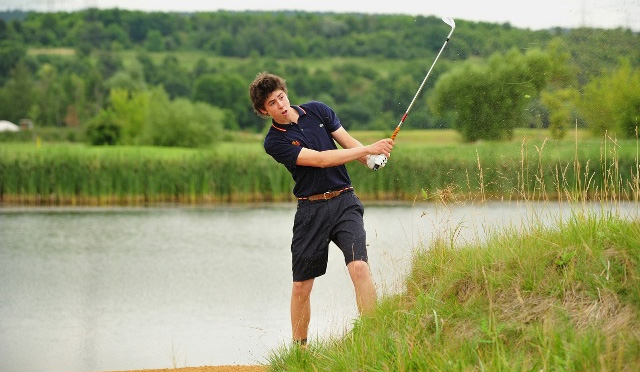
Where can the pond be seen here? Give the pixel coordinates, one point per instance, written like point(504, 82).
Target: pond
point(97, 289)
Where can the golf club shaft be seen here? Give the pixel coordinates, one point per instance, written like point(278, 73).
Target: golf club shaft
point(395, 132)
point(380, 160)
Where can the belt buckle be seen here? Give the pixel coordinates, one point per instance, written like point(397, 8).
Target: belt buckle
point(324, 195)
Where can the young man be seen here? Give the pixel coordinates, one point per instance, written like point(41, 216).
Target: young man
point(302, 138)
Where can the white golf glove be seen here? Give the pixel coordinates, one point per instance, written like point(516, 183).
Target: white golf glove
point(376, 162)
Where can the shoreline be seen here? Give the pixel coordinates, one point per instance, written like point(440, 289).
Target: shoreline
point(227, 368)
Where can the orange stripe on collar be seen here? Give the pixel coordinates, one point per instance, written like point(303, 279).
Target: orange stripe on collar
point(282, 129)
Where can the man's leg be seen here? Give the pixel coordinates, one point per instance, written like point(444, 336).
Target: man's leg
point(301, 309)
point(366, 297)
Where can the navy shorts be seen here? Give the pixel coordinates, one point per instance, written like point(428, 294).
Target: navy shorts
point(316, 224)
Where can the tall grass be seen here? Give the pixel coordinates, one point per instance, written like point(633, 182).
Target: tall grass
point(136, 175)
point(428, 166)
point(530, 170)
point(563, 296)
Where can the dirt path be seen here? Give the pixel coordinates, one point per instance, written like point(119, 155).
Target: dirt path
point(208, 369)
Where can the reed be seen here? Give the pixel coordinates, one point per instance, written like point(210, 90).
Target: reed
point(138, 175)
point(530, 170)
point(242, 173)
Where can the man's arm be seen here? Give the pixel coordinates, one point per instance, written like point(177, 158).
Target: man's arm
point(345, 140)
point(352, 150)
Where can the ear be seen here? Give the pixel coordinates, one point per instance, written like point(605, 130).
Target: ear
point(264, 112)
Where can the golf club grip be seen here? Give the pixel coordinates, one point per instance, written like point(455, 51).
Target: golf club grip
point(395, 133)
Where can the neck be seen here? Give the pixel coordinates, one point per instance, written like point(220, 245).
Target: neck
point(294, 115)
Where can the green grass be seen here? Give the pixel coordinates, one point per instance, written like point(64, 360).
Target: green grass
point(565, 298)
point(428, 165)
point(67, 52)
point(437, 137)
point(189, 59)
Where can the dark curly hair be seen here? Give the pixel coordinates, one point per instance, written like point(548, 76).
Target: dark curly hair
point(262, 86)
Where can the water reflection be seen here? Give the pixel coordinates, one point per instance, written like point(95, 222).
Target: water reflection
point(86, 289)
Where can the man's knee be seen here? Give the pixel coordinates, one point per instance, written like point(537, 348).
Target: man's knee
point(360, 269)
point(302, 289)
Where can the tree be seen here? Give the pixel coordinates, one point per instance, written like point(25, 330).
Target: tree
point(487, 100)
point(355, 116)
point(17, 95)
point(50, 97)
point(562, 110)
point(149, 69)
point(131, 110)
point(181, 122)
point(611, 103)
point(104, 129)
point(226, 91)
point(174, 78)
point(10, 54)
point(4, 34)
point(137, 25)
point(131, 78)
point(49, 33)
point(117, 36)
point(201, 67)
point(154, 41)
point(556, 108)
point(90, 34)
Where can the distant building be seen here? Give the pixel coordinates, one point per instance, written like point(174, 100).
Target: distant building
point(7, 126)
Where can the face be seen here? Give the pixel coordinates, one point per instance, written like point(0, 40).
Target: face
point(277, 106)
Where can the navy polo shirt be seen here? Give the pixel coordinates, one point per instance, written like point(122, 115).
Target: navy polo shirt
point(284, 142)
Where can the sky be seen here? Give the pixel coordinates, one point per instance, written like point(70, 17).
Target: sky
point(534, 15)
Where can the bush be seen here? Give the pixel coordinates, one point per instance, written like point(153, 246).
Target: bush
point(611, 103)
point(182, 123)
point(104, 129)
point(21, 136)
point(487, 100)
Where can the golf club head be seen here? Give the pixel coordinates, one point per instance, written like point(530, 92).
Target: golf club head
point(449, 21)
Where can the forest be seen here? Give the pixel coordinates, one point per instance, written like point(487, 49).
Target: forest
point(180, 79)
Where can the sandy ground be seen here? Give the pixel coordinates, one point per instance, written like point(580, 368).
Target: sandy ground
point(209, 369)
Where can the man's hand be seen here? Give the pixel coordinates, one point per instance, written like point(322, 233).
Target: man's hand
point(381, 152)
point(382, 147)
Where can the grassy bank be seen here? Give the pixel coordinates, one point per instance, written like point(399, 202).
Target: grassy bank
point(424, 165)
point(565, 298)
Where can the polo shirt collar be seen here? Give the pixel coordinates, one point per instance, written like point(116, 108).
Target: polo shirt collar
point(284, 127)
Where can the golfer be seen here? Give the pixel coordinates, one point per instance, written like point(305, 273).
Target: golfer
point(303, 139)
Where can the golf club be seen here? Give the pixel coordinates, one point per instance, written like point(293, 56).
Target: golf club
point(381, 159)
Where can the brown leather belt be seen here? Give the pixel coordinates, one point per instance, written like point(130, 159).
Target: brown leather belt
point(327, 195)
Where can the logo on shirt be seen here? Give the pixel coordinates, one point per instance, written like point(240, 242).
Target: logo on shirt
point(295, 143)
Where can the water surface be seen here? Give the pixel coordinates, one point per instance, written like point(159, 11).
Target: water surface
point(96, 289)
